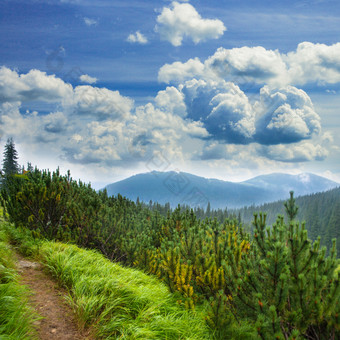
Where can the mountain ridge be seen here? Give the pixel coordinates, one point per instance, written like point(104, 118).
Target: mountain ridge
point(188, 189)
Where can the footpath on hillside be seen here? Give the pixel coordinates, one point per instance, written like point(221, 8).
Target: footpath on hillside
point(58, 322)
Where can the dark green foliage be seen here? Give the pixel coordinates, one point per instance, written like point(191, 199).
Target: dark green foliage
point(319, 211)
point(291, 208)
point(294, 289)
point(277, 285)
point(10, 164)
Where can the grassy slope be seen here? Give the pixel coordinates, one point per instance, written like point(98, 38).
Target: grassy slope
point(16, 317)
point(116, 302)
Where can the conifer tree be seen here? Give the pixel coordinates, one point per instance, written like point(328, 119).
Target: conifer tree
point(294, 291)
point(10, 161)
point(291, 208)
point(10, 168)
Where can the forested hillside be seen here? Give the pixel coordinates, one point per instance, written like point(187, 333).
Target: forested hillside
point(320, 211)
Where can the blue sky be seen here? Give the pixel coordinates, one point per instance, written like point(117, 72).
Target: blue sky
point(225, 89)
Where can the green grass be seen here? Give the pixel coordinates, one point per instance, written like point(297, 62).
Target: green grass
point(119, 302)
point(116, 302)
point(16, 317)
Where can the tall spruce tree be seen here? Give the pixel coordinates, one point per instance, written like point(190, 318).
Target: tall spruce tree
point(10, 164)
point(10, 161)
point(291, 208)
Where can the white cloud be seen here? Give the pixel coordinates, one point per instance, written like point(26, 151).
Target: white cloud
point(233, 113)
point(179, 72)
point(215, 150)
point(137, 38)
point(96, 143)
point(149, 117)
point(55, 122)
point(137, 139)
point(31, 128)
point(310, 63)
point(171, 100)
point(96, 125)
point(100, 103)
point(285, 116)
point(302, 152)
point(199, 120)
point(314, 63)
point(85, 78)
point(90, 22)
point(35, 85)
point(279, 116)
point(254, 63)
point(182, 20)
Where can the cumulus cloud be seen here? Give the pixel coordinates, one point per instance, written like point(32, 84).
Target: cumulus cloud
point(171, 100)
point(314, 63)
point(180, 72)
point(233, 114)
point(85, 78)
point(279, 116)
point(101, 103)
point(148, 131)
point(223, 109)
point(35, 85)
point(96, 125)
point(96, 143)
point(303, 152)
point(285, 116)
point(31, 128)
point(55, 122)
point(310, 63)
point(254, 63)
point(137, 38)
point(182, 20)
point(78, 107)
point(199, 119)
point(170, 125)
point(216, 150)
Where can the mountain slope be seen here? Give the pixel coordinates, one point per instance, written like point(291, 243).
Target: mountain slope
point(320, 211)
point(183, 188)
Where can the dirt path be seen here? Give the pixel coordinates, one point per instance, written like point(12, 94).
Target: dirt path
point(47, 299)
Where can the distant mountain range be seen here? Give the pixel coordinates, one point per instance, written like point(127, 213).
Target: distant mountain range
point(184, 188)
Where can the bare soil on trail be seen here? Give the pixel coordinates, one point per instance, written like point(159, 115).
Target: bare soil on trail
point(47, 299)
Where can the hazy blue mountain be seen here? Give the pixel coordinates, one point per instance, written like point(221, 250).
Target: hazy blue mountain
point(185, 188)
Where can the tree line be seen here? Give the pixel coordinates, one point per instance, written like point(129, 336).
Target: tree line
point(320, 211)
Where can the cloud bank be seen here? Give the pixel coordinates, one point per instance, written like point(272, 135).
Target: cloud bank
point(204, 114)
point(310, 63)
